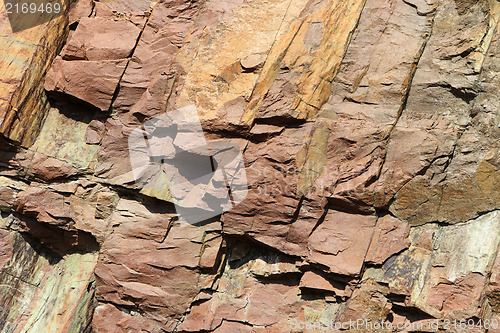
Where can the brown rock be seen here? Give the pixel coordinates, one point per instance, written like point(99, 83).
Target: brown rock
point(390, 237)
point(7, 197)
point(367, 302)
point(341, 242)
point(29, 47)
point(313, 281)
point(108, 318)
point(92, 82)
point(101, 39)
point(356, 119)
point(154, 55)
point(145, 250)
point(9, 189)
point(457, 297)
point(252, 62)
point(48, 168)
point(94, 132)
point(79, 10)
point(6, 246)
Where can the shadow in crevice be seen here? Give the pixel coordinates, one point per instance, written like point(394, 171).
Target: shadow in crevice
point(244, 249)
point(57, 241)
point(75, 109)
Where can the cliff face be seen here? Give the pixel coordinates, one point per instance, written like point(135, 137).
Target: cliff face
point(370, 135)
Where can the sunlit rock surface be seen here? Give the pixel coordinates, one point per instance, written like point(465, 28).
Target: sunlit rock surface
point(370, 135)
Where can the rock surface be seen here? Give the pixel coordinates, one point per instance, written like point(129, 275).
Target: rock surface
point(369, 131)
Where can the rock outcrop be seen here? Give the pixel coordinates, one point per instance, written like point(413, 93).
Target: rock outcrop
point(369, 130)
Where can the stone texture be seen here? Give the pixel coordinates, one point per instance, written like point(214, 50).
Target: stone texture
point(101, 39)
point(92, 62)
point(341, 242)
point(369, 131)
point(390, 237)
point(40, 290)
point(93, 82)
point(147, 262)
point(454, 260)
point(26, 57)
point(316, 282)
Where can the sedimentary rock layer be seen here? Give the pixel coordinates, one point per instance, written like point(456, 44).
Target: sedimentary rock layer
point(369, 132)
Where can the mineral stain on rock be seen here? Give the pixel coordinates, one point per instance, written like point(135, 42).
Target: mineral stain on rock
point(370, 135)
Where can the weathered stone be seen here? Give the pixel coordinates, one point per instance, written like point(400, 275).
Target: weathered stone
point(27, 56)
point(454, 261)
point(262, 304)
point(456, 184)
point(369, 131)
point(108, 318)
point(369, 303)
point(40, 290)
point(6, 246)
point(49, 168)
point(96, 87)
point(341, 242)
point(252, 62)
point(95, 132)
point(101, 39)
point(390, 237)
point(79, 10)
point(313, 281)
point(9, 190)
point(144, 249)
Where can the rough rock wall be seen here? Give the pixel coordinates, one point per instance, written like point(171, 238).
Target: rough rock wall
point(369, 130)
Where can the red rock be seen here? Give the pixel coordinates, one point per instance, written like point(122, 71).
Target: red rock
point(154, 56)
point(96, 87)
point(356, 119)
point(49, 168)
point(108, 318)
point(95, 132)
point(367, 302)
point(101, 39)
point(458, 297)
point(390, 237)
point(229, 327)
point(79, 10)
point(7, 197)
point(314, 281)
point(143, 252)
point(341, 242)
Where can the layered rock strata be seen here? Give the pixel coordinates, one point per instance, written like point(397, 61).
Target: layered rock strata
point(369, 131)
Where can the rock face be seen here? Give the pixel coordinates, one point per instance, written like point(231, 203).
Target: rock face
point(369, 130)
